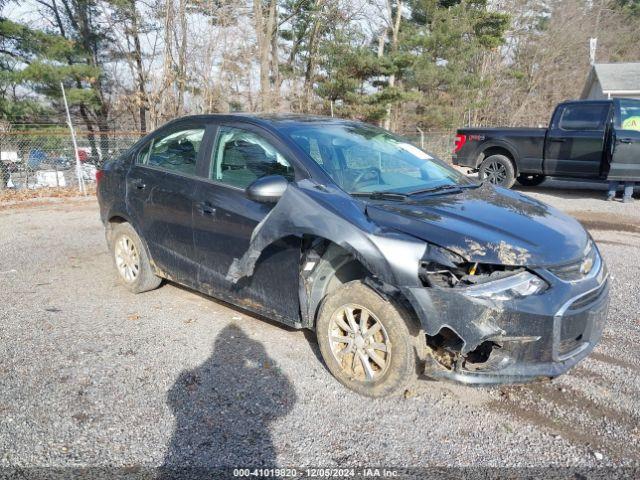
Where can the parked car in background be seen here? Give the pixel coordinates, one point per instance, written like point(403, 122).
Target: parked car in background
point(582, 139)
point(391, 256)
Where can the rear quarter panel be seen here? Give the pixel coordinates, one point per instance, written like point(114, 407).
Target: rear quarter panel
point(112, 191)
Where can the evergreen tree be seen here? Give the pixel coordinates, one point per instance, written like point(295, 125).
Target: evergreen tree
point(449, 39)
point(36, 61)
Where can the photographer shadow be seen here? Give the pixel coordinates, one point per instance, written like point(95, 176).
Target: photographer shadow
point(223, 409)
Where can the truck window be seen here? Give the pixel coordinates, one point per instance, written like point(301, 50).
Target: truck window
point(628, 116)
point(583, 117)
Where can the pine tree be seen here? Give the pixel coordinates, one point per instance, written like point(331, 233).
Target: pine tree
point(37, 61)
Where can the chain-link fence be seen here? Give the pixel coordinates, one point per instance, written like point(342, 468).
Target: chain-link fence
point(33, 156)
point(439, 144)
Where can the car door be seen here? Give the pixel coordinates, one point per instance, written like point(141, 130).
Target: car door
point(575, 142)
point(224, 219)
point(160, 195)
point(625, 161)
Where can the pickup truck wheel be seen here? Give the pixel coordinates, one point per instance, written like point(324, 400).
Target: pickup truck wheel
point(498, 170)
point(529, 180)
point(365, 341)
point(131, 260)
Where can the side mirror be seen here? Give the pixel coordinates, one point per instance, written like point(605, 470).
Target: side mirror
point(267, 189)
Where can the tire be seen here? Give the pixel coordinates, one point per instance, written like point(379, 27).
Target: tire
point(498, 170)
point(529, 180)
point(131, 260)
point(398, 367)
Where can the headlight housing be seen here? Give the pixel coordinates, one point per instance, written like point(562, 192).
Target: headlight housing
point(444, 269)
point(519, 285)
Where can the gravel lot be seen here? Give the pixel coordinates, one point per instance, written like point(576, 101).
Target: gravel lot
point(93, 375)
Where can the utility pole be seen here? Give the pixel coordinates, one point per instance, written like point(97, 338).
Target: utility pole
point(75, 144)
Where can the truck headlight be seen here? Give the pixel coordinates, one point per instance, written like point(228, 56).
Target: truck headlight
point(520, 285)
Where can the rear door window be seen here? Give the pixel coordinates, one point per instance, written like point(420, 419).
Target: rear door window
point(584, 117)
point(175, 152)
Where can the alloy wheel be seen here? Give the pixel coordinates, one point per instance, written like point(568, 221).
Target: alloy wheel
point(359, 343)
point(495, 172)
point(127, 258)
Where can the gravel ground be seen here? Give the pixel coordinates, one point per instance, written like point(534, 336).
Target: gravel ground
point(93, 375)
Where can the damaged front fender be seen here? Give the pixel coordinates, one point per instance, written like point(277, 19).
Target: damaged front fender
point(307, 208)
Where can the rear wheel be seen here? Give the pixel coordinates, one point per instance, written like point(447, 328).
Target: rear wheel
point(529, 180)
point(498, 170)
point(366, 342)
point(131, 260)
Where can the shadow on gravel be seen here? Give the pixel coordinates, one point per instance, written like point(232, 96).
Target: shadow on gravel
point(223, 408)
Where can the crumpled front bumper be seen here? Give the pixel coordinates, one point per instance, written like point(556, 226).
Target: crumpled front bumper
point(541, 336)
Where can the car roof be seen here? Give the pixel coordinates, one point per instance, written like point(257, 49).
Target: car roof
point(589, 101)
point(273, 120)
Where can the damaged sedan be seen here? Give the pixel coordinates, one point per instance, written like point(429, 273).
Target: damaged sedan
point(400, 264)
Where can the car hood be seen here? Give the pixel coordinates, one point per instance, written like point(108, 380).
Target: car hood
point(487, 224)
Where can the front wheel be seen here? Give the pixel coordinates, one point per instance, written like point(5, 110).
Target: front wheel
point(498, 170)
point(529, 180)
point(366, 341)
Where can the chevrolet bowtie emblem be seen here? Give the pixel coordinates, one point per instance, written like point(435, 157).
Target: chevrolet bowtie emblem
point(586, 266)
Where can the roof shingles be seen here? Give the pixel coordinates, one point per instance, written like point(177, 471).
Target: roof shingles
point(615, 77)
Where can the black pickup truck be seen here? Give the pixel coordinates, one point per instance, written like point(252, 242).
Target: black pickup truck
point(585, 139)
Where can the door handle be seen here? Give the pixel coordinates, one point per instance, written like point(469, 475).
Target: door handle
point(557, 139)
point(205, 208)
point(625, 140)
point(139, 184)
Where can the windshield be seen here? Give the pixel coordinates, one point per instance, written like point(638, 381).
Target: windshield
point(629, 115)
point(365, 159)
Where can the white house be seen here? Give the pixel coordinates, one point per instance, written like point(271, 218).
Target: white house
point(612, 80)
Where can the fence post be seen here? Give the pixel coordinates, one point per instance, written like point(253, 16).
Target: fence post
point(75, 145)
point(421, 137)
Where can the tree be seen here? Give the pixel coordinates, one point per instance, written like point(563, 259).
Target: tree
point(449, 41)
point(41, 61)
point(125, 16)
point(400, 63)
point(77, 21)
point(265, 19)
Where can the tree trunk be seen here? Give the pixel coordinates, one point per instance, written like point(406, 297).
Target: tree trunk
point(167, 63)
point(182, 58)
point(265, 28)
point(137, 54)
point(275, 68)
point(395, 30)
point(310, 67)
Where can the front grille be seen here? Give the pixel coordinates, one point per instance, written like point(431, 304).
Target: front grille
point(573, 328)
point(587, 299)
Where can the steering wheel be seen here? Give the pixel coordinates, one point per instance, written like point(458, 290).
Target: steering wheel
point(365, 172)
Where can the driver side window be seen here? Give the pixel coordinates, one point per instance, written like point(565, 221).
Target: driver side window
point(241, 156)
point(176, 152)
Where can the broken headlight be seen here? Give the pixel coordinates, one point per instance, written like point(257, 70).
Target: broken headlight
point(442, 268)
point(518, 285)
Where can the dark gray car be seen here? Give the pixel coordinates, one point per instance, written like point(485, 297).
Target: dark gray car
point(393, 258)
